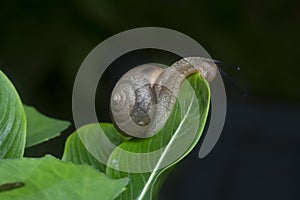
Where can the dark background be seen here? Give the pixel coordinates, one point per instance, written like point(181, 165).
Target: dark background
point(42, 44)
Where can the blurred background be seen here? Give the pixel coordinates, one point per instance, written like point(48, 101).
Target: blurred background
point(42, 45)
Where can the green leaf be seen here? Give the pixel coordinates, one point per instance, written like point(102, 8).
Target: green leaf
point(12, 121)
point(101, 142)
point(147, 161)
point(49, 178)
point(41, 128)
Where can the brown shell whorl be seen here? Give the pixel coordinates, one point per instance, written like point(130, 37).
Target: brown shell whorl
point(134, 99)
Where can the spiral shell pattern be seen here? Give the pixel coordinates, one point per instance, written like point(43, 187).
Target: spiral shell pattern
point(144, 97)
point(134, 99)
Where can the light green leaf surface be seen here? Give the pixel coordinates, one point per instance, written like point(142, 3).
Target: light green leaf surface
point(41, 128)
point(90, 136)
point(147, 161)
point(49, 178)
point(12, 121)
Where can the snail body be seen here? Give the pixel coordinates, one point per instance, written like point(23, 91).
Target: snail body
point(143, 98)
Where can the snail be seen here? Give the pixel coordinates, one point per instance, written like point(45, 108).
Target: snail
point(143, 98)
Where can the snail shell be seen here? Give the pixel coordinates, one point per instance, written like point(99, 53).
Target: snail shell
point(143, 98)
